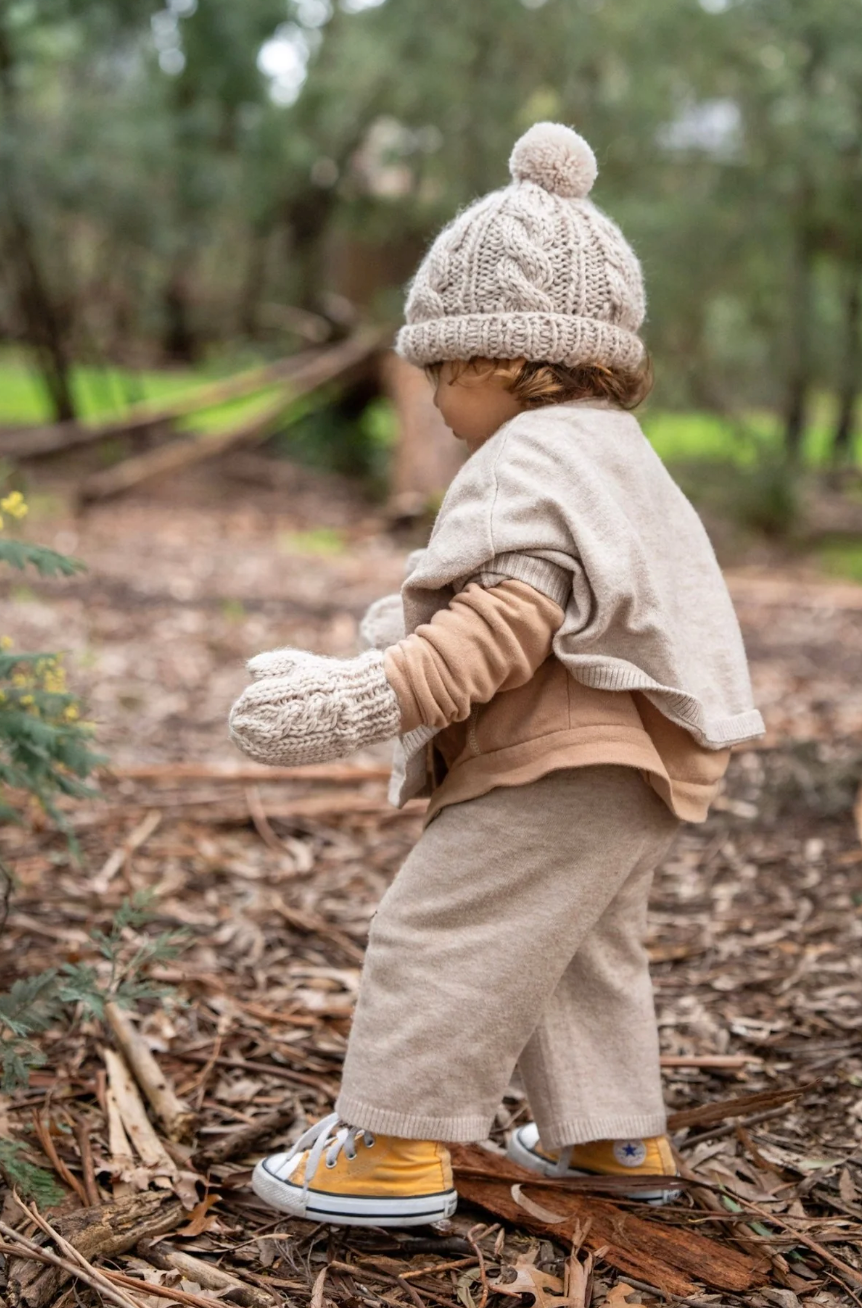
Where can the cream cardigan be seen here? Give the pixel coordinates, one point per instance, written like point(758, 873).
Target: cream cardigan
point(573, 500)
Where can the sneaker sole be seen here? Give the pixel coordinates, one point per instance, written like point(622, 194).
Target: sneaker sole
point(352, 1210)
point(520, 1153)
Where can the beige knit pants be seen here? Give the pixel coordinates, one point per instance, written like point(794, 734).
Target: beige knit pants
point(513, 934)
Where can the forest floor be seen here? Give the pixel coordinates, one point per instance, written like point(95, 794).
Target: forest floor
point(755, 937)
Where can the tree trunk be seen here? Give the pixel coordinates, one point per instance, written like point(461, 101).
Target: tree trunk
point(851, 362)
point(179, 342)
point(800, 371)
point(44, 323)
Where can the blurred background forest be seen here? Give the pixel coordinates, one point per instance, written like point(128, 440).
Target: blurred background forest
point(191, 190)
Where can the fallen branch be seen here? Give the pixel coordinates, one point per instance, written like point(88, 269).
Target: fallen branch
point(43, 1134)
point(177, 1118)
point(706, 1114)
point(33, 442)
point(326, 366)
point(115, 861)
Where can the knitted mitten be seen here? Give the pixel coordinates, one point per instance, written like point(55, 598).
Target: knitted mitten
point(314, 709)
point(383, 624)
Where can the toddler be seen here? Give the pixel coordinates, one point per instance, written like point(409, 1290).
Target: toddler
point(565, 674)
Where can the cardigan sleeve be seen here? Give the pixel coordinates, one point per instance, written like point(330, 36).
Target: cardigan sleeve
point(485, 641)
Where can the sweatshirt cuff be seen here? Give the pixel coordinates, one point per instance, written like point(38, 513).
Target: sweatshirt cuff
point(399, 680)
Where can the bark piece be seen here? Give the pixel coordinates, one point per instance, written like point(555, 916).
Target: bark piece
point(106, 1230)
point(176, 1116)
point(658, 1254)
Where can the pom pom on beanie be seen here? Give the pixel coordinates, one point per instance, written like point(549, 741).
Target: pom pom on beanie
point(556, 158)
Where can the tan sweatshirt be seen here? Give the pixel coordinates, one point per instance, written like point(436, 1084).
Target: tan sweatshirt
point(506, 711)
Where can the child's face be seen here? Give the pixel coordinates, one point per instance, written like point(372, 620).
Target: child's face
point(474, 405)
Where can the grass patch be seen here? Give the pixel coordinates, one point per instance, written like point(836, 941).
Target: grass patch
point(320, 541)
point(842, 559)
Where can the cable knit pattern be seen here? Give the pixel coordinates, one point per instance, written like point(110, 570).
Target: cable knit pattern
point(316, 710)
point(532, 270)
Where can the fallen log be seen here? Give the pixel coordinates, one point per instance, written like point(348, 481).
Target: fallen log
point(36, 442)
point(104, 1231)
point(325, 367)
point(671, 1259)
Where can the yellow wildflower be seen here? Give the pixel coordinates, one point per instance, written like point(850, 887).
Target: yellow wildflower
point(27, 700)
point(14, 505)
point(6, 642)
point(71, 713)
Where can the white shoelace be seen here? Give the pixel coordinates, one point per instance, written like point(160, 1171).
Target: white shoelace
point(326, 1135)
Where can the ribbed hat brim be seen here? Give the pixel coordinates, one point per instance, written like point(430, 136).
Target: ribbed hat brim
point(543, 337)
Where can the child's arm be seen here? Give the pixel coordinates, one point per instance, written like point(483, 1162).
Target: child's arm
point(305, 708)
point(485, 641)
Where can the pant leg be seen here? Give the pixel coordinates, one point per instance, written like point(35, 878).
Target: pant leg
point(591, 1067)
point(473, 939)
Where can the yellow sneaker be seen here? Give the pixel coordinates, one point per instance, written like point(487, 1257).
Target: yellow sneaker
point(650, 1157)
point(342, 1174)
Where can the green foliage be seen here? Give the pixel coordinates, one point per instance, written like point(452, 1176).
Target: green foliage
point(32, 1182)
point(44, 747)
point(77, 990)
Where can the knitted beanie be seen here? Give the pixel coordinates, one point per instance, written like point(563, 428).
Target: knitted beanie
point(533, 270)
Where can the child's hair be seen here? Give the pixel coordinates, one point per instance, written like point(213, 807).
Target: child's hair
point(536, 384)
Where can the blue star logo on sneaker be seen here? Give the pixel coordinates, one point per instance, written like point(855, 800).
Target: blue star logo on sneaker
point(630, 1153)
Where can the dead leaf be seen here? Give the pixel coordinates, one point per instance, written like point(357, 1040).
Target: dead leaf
point(199, 1221)
point(846, 1188)
point(618, 1296)
point(546, 1290)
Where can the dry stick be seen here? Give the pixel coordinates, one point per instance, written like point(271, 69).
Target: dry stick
point(240, 1142)
point(473, 1241)
point(76, 1260)
point(25, 1249)
point(44, 1134)
point(85, 1149)
point(846, 1270)
point(257, 813)
point(706, 1114)
point(177, 1118)
point(115, 861)
point(706, 1199)
point(207, 1275)
point(118, 1144)
point(133, 1115)
point(161, 1291)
